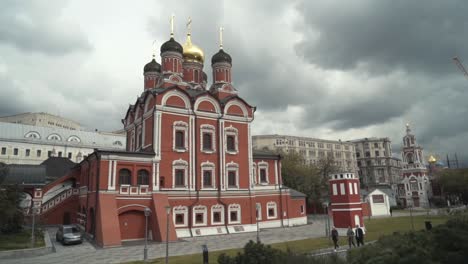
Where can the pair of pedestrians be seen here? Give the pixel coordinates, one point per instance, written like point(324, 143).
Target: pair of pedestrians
point(359, 234)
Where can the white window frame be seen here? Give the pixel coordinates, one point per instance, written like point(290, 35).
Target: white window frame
point(180, 165)
point(211, 130)
point(263, 165)
point(55, 137)
point(355, 188)
point(232, 167)
point(217, 208)
point(199, 209)
point(272, 205)
point(231, 131)
point(350, 184)
point(342, 189)
point(180, 210)
point(335, 189)
point(208, 166)
point(33, 135)
point(234, 208)
point(180, 126)
point(74, 139)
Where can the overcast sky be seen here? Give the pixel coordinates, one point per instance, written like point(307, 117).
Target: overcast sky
point(325, 69)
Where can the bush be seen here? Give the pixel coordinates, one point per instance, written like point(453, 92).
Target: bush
point(447, 243)
point(258, 253)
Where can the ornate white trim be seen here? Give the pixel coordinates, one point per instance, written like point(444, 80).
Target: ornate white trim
point(217, 208)
point(175, 93)
point(234, 208)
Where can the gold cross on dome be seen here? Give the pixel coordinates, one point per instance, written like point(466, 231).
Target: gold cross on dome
point(221, 29)
point(189, 26)
point(172, 25)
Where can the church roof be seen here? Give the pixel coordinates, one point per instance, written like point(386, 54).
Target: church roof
point(76, 138)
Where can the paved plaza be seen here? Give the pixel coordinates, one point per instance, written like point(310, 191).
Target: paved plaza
point(87, 253)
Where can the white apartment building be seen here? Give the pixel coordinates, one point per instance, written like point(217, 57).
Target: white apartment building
point(312, 149)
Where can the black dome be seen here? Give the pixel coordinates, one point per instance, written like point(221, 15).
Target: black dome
point(152, 66)
point(221, 56)
point(171, 45)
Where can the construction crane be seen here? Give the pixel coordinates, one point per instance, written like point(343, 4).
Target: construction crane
point(460, 66)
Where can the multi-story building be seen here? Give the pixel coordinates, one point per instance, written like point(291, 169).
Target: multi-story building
point(377, 166)
point(188, 164)
point(312, 149)
point(31, 144)
point(415, 185)
point(42, 119)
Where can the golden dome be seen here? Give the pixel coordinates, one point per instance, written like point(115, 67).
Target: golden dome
point(432, 159)
point(192, 52)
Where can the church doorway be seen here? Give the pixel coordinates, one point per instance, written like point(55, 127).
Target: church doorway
point(66, 218)
point(132, 225)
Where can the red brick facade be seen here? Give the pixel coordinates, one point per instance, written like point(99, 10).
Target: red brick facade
point(188, 148)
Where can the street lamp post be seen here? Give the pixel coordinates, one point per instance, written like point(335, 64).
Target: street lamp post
point(258, 228)
point(411, 216)
point(168, 211)
point(33, 238)
point(145, 251)
point(327, 222)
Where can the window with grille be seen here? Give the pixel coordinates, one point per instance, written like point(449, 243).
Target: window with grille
point(179, 139)
point(179, 219)
point(231, 143)
point(179, 178)
point(125, 177)
point(207, 178)
point(143, 177)
point(232, 179)
point(263, 176)
point(207, 141)
point(233, 217)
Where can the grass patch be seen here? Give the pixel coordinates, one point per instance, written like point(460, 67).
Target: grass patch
point(20, 240)
point(375, 229)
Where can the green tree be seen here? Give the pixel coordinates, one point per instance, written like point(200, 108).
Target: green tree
point(454, 183)
point(11, 215)
point(311, 179)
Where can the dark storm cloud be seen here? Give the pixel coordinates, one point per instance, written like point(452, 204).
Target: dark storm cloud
point(33, 26)
point(416, 36)
point(11, 97)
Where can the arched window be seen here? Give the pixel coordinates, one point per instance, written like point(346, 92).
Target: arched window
point(125, 177)
point(143, 177)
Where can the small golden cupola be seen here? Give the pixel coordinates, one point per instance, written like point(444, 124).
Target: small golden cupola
point(432, 159)
point(192, 53)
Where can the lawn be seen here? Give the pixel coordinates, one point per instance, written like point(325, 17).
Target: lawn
point(375, 229)
point(20, 240)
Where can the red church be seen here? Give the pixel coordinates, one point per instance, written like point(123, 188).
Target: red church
point(189, 149)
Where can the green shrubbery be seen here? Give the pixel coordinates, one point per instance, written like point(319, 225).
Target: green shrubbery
point(444, 244)
point(447, 243)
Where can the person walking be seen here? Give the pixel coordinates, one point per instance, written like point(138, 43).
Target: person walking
point(359, 236)
point(334, 235)
point(350, 235)
point(391, 212)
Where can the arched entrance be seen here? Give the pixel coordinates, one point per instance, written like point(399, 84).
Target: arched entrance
point(132, 225)
point(91, 221)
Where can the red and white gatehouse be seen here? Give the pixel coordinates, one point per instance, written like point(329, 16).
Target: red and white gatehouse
point(345, 200)
point(188, 147)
